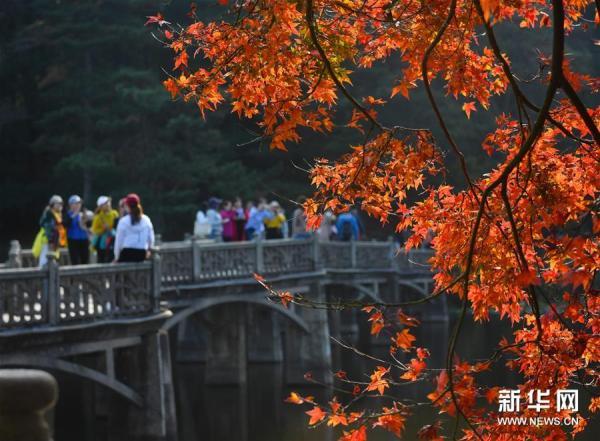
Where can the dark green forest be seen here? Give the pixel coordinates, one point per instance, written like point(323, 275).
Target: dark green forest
point(83, 110)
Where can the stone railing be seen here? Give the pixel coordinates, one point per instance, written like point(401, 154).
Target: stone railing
point(60, 295)
point(196, 261)
point(69, 294)
point(192, 262)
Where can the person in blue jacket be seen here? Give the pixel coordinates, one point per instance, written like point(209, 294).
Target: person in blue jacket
point(347, 227)
point(77, 232)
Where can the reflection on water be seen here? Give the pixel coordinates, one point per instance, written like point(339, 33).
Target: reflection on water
point(257, 412)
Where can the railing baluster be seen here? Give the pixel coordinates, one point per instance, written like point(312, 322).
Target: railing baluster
point(14, 255)
point(260, 258)
point(155, 281)
point(53, 292)
point(196, 260)
point(316, 252)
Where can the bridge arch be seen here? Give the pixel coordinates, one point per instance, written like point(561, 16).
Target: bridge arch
point(207, 303)
point(362, 289)
point(57, 364)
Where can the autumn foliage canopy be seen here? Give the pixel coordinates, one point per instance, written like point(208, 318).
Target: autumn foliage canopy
point(521, 241)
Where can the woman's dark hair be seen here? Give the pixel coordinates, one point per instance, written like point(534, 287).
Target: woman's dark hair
point(132, 201)
point(135, 211)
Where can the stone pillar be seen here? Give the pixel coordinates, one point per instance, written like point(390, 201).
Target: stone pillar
point(25, 397)
point(309, 352)
point(14, 255)
point(226, 362)
point(156, 420)
point(264, 336)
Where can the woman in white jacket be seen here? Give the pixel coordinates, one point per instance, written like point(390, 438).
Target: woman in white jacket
point(135, 233)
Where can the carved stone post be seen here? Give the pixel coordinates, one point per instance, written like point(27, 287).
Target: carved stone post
point(316, 253)
point(25, 397)
point(53, 290)
point(14, 255)
point(353, 253)
point(156, 281)
point(196, 260)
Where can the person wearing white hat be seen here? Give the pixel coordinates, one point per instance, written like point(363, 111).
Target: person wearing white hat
point(52, 234)
point(77, 232)
point(103, 229)
point(274, 225)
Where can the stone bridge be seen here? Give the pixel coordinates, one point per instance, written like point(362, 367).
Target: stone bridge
point(120, 325)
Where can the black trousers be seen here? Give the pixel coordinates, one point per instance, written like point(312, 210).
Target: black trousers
point(274, 233)
point(132, 255)
point(105, 255)
point(79, 251)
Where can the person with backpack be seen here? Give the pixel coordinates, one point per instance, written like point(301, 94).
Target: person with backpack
point(347, 227)
point(135, 233)
point(103, 229)
point(77, 233)
point(52, 235)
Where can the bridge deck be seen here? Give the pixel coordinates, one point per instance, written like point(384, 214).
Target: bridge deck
point(68, 295)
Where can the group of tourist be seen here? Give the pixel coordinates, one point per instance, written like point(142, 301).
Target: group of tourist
point(126, 235)
point(230, 221)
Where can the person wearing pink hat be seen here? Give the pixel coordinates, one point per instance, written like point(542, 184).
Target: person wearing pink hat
point(135, 233)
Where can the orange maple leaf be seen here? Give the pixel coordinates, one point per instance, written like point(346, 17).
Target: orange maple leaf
point(492, 394)
point(468, 108)
point(296, 398)
point(181, 60)
point(394, 422)
point(359, 434)
point(379, 383)
point(316, 415)
point(337, 419)
point(404, 340)
point(286, 297)
point(414, 369)
point(377, 322)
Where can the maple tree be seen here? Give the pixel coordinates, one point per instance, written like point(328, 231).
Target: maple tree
point(521, 240)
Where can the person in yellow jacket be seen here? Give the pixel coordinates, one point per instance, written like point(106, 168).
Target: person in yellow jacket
point(275, 224)
point(52, 235)
point(103, 229)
